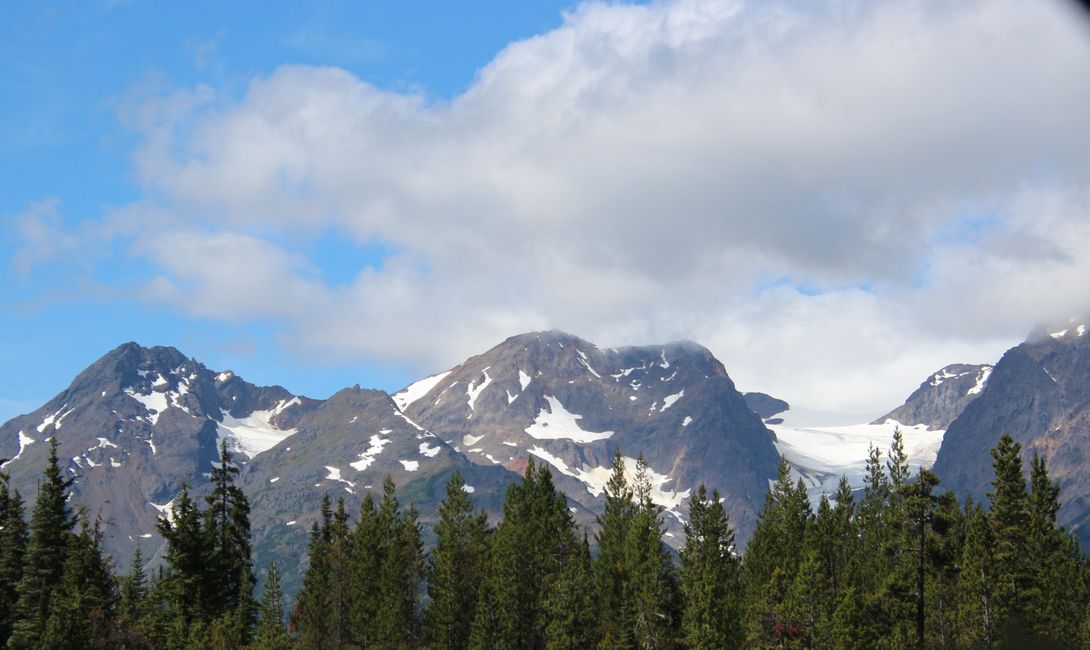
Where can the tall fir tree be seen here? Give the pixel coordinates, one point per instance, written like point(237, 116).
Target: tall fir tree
point(13, 542)
point(364, 568)
point(710, 577)
point(51, 527)
point(310, 618)
point(610, 573)
point(570, 607)
point(230, 576)
point(82, 609)
point(397, 618)
point(456, 569)
point(1009, 518)
point(977, 616)
point(652, 597)
point(185, 588)
point(270, 633)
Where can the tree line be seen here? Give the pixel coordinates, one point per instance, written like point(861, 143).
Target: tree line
point(895, 565)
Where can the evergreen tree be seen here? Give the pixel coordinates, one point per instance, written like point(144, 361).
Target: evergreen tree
point(456, 569)
point(977, 608)
point(528, 553)
point(710, 577)
point(270, 633)
point(611, 576)
point(311, 615)
point(13, 542)
point(772, 557)
point(47, 549)
point(401, 573)
point(82, 608)
point(186, 586)
point(1053, 593)
point(570, 606)
point(1009, 517)
point(338, 587)
point(364, 567)
point(652, 582)
point(229, 573)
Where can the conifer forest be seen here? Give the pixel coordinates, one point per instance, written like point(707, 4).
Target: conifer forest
point(899, 564)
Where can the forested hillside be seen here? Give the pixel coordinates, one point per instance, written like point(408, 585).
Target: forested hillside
point(903, 565)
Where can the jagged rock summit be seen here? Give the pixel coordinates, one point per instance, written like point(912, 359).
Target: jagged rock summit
point(1039, 393)
point(942, 397)
point(571, 404)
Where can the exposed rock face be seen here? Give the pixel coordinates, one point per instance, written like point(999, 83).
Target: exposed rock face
point(765, 406)
point(1039, 393)
point(139, 422)
point(565, 401)
point(941, 397)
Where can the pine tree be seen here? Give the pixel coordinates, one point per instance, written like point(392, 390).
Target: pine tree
point(311, 615)
point(652, 582)
point(339, 587)
point(364, 567)
point(977, 608)
point(773, 555)
point(570, 606)
point(134, 591)
point(270, 633)
point(401, 574)
point(186, 585)
point(1053, 594)
point(456, 569)
point(611, 576)
point(47, 549)
point(710, 577)
point(229, 574)
point(528, 553)
point(82, 608)
point(13, 542)
point(1009, 517)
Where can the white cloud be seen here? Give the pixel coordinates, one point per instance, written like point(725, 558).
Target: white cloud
point(647, 172)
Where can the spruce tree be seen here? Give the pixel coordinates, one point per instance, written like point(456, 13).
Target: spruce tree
point(456, 569)
point(229, 574)
point(1053, 593)
point(977, 611)
point(773, 555)
point(311, 615)
point(528, 553)
point(570, 605)
point(13, 541)
point(1009, 517)
point(401, 573)
point(652, 597)
point(710, 577)
point(47, 550)
point(186, 586)
point(82, 609)
point(364, 567)
point(270, 633)
point(610, 573)
point(338, 587)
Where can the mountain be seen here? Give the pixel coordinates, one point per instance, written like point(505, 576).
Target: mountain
point(1039, 393)
point(765, 406)
point(136, 424)
point(139, 422)
point(566, 402)
point(941, 397)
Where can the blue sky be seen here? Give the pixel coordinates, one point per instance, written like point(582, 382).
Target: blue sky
point(67, 70)
point(320, 195)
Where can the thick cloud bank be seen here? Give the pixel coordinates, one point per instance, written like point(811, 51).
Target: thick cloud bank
point(836, 197)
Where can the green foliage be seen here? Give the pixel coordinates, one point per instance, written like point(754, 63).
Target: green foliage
point(710, 577)
point(13, 542)
point(270, 633)
point(456, 569)
point(51, 527)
